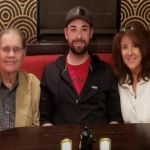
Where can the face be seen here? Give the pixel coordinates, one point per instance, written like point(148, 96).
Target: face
point(131, 54)
point(11, 52)
point(78, 33)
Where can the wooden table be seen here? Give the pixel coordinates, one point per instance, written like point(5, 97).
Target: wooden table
point(123, 137)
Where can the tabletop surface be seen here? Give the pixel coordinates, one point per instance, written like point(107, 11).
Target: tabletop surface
point(123, 136)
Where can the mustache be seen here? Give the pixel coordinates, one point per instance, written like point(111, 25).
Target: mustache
point(78, 41)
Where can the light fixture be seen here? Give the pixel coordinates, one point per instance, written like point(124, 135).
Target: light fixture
point(105, 144)
point(66, 144)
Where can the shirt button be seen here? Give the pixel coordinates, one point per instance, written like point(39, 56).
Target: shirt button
point(7, 112)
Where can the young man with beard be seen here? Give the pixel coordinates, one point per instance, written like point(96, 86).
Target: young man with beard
point(79, 88)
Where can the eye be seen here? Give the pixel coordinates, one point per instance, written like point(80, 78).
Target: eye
point(135, 45)
point(5, 49)
point(123, 46)
point(73, 30)
point(84, 29)
point(17, 49)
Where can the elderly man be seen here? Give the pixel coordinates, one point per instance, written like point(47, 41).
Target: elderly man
point(19, 90)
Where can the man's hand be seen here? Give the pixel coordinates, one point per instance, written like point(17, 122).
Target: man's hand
point(113, 122)
point(47, 125)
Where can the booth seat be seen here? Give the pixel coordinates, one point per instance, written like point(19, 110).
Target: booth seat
point(35, 64)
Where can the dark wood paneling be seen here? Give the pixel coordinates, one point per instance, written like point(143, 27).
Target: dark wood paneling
point(60, 48)
point(51, 22)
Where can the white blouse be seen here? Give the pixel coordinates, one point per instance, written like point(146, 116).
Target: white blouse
point(135, 107)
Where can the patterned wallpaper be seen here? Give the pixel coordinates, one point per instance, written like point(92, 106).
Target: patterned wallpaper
point(135, 11)
point(22, 14)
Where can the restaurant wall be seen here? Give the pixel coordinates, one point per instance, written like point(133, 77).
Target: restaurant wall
point(22, 14)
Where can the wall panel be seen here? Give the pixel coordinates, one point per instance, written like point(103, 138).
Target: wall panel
point(22, 14)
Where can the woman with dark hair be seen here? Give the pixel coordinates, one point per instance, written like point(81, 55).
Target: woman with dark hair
point(131, 53)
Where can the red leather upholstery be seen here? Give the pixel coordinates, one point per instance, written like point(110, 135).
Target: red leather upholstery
point(36, 64)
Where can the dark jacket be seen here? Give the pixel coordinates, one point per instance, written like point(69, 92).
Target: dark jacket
point(98, 102)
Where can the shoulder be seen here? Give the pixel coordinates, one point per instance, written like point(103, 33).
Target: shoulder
point(30, 83)
point(29, 77)
point(57, 64)
point(99, 64)
point(96, 59)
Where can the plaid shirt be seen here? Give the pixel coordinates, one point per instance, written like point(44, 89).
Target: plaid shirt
point(7, 106)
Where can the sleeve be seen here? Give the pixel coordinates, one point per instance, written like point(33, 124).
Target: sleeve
point(113, 100)
point(35, 100)
point(46, 105)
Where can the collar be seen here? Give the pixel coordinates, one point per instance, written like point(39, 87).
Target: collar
point(95, 62)
point(14, 85)
point(125, 85)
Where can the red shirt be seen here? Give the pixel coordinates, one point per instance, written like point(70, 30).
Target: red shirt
point(79, 74)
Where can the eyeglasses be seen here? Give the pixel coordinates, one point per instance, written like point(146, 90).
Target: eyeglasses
point(15, 50)
point(129, 27)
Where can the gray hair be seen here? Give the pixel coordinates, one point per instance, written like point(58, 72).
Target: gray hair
point(17, 31)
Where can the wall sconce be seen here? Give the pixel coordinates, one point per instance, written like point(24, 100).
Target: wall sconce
point(105, 144)
point(66, 144)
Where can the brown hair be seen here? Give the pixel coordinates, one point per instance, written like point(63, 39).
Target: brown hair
point(7, 30)
point(141, 38)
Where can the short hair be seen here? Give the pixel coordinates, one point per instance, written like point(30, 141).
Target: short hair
point(17, 31)
point(141, 38)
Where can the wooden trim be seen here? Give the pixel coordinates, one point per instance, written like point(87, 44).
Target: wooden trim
point(60, 48)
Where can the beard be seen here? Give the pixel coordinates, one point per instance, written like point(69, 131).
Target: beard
point(78, 50)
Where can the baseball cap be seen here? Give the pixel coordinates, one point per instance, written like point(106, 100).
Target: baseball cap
point(79, 12)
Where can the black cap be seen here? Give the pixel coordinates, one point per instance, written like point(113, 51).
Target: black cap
point(79, 12)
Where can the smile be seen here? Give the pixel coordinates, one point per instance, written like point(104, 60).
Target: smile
point(9, 62)
point(131, 59)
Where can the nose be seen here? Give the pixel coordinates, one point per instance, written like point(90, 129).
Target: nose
point(11, 53)
point(79, 35)
point(129, 52)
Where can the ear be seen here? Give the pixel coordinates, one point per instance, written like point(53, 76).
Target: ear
point(66, 33)
point(92, 31)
